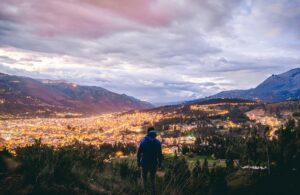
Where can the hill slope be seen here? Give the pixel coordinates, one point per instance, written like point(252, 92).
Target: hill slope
point(22, 94)
point(276, 88)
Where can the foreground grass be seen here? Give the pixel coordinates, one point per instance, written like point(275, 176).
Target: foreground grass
point(191, 159)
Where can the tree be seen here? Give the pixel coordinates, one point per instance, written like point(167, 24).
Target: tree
point(289, 144)
point(218, 184)
point(251, 150)
point(185, 149)
point(205, 169)
point(196, 173)
point(229, 160)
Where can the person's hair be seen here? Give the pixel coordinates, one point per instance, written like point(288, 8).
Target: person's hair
point(150, 129)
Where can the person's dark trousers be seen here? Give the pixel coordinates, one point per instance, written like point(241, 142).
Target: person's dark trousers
point(152, 172)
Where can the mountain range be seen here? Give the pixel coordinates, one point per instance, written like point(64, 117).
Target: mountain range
point(276, 88)
point(37, 97)
point(27, 95)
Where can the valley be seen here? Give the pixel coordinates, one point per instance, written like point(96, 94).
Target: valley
point(177, 125)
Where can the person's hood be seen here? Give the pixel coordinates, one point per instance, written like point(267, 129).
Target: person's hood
point(152, 134)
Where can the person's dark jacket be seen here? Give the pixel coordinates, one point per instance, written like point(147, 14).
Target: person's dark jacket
point(149, 153)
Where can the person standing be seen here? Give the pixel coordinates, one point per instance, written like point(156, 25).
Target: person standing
point(149, 157)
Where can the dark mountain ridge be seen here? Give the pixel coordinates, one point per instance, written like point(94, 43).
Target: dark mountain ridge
point(277, 88)
point(23, 94)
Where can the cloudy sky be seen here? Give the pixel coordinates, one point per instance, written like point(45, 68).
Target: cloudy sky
point(155, 50)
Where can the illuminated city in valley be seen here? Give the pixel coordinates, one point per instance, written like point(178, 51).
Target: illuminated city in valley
point(130, 127)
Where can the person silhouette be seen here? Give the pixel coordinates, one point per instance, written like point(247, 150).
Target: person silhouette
point(149, 157)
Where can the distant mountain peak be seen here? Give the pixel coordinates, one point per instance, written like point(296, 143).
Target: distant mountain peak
point(292, 73)
point(281, 87)
point(294, 70)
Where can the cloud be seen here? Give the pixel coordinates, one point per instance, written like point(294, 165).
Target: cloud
point(156, 50)
point(92, 18)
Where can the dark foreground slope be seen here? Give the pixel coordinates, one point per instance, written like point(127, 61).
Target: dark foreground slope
point(253, 165)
